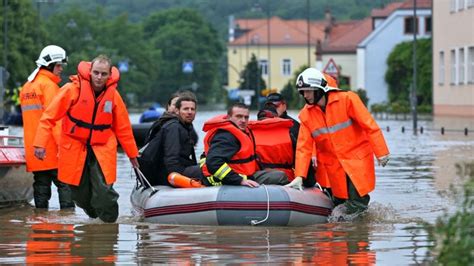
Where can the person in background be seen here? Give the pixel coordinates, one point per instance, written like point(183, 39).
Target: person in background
point(345, 136)
point(94, 117)
point(278, 101)
point(275, 145)
point(172, 147)
point(37, 94)
point(170, 113)
point(229, 152)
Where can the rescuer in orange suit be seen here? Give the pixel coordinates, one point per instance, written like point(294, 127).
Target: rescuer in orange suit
point(345, 137)
point(37, 93)
point(94, 117)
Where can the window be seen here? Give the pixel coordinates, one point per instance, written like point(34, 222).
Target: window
point(409, 25)
point(460, 4)
point(441, 68)
point(286, 67)
point(264, 66)
point(470, 65)
point(461, 68)
point(452, 5)
point(470, 3)
point(453, 67)
point(428, 25)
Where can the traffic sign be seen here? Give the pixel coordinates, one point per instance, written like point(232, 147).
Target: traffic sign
point(331, 68)
point(187, 66)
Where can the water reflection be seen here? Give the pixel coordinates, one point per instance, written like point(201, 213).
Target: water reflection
point(66, 243)
point(407, 195)
point(335, 244)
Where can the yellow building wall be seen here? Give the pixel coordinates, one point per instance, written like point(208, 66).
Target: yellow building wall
point(348, 66)
point(238, 56)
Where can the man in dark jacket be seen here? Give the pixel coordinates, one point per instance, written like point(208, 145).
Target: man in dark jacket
point(279, 102)
point(171, 149)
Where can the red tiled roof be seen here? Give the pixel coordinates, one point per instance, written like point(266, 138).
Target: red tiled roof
point(345, 36)
point(386, 11)
point(408, 4)
point(281, 31)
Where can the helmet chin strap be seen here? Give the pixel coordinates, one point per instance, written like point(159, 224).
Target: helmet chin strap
point(318, 94)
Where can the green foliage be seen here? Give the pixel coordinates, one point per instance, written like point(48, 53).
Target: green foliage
point(399, 75)
point(454, 235)
point(400, 107)
point(289, 91)
point(251, 78)
point(87, 35)
point(379, 108)
point(181, 35)
point(23, 40)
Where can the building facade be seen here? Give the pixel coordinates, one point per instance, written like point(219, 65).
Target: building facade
point(391, 26)
point(453, 57)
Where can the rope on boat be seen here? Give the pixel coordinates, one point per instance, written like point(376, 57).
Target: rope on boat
point(256, 222)
point(143, 179)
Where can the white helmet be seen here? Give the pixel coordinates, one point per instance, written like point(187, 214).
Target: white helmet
point(50, 54)
point(311, 79)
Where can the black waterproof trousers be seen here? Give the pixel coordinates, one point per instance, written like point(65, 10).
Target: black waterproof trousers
point(355, 203)
point(42, 189)
point(93, 195)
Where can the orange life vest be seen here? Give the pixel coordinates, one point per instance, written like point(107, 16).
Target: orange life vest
point(346, 138)
point(273, 144)
point(244, 161)
point(89, 120)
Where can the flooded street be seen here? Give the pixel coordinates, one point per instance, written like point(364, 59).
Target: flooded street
point(413, 189)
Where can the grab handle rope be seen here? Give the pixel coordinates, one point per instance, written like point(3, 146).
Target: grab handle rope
point(143, 179)
point(256, 222)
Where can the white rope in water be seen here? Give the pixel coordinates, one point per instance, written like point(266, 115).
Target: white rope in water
point(256, 222)
point(143, 178)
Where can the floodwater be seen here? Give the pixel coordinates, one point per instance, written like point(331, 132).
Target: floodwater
point(412, 190)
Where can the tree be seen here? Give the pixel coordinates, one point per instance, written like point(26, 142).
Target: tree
point(23, 46)
point(292, 96)
point(182, 35)
point(86, 35)
point(252, 79)
point(399, 74)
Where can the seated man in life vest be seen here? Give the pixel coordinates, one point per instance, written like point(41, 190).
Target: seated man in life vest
point(275, 143)
point(229, 150)
point(171, 149)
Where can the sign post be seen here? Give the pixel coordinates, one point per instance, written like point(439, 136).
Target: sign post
point(331, 68)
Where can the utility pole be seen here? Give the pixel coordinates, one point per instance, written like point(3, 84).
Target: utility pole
point(269, 69)
point(413, 87)
point(309, 33)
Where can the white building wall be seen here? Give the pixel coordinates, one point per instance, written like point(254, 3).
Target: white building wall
point(375, 49)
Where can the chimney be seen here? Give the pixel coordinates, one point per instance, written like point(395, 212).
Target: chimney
point(231, 28)
point(329, 21)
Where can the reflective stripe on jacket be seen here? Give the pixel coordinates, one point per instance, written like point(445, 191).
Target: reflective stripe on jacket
point(90, 118)
point(346, 138)
point(72, 152)
point(34, 98)
point(273, 144)
point(242, 163)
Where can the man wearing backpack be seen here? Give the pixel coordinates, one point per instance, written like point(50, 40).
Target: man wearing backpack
point(171, 148)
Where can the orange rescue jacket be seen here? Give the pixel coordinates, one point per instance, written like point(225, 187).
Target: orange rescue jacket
point(243, 162)
point(90, 119)
point(346, 137)
point(73, 151)
point(34, 98)
point(273, 144)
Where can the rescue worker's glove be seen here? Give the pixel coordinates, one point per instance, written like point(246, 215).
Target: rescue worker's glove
point(297, 183)
point(384, 160)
